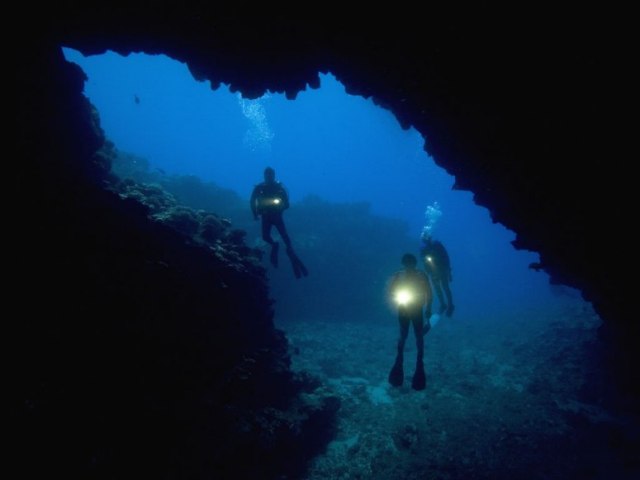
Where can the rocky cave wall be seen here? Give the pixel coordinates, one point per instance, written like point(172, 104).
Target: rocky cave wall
point(519, 106)
point(136, 351)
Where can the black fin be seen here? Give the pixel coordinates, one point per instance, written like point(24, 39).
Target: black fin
point(419, 381)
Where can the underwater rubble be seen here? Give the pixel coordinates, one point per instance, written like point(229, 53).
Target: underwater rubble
point(524, 396)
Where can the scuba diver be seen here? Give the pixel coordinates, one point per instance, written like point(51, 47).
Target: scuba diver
point(269, 200)
point(437, 265)
point(411, 291)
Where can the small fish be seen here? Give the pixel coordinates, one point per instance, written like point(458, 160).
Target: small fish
point(136, 99)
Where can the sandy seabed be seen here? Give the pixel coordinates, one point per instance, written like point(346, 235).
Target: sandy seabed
point(516, 397)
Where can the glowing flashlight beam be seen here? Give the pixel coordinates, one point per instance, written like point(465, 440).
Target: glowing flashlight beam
point(403, 297)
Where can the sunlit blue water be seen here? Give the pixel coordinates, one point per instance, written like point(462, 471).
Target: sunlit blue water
point(326, 142)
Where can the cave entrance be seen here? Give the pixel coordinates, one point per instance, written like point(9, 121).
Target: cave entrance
point(340, 151)
point(360, 186)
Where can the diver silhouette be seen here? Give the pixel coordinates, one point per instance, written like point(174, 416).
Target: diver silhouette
point(411, 291)
point(269, 200)
point(438, 267)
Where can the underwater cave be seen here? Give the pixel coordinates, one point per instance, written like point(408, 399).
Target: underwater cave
point(164, 354)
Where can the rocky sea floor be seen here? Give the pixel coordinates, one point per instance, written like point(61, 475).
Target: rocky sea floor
point(518, 397)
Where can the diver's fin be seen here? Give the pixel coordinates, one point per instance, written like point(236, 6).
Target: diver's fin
point(296, 269)
point(419, 381)
point(396, 376)
point(302, 268)
point(299, 269)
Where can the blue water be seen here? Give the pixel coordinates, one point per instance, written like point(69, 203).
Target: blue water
point(328, 143)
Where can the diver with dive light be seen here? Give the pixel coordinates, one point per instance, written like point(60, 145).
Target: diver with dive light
point(411, 291)
point(438, 267)
point(269, 200)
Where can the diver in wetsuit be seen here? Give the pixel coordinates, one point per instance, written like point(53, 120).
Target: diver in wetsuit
point(411, 291)
point(438, 266)
point(269, 200)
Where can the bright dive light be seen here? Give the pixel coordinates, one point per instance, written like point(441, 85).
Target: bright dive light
point(271, 201)
point(429, 258)
point(403, 297)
